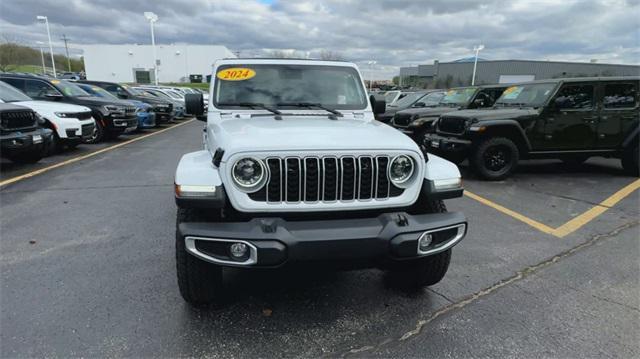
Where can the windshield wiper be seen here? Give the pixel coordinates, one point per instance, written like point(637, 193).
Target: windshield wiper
point(252, 105)
point(311, 105)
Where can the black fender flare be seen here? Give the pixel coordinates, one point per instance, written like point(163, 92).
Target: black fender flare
point(510, 124)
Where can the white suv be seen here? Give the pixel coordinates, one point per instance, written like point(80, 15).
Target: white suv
point(71, 124)
point(296, 170)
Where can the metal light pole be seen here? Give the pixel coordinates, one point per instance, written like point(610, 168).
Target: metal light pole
point(66, 49)
point(371, 63)
point(475, 63)
point(152, 19)
point(44, 69)
point(46, 22)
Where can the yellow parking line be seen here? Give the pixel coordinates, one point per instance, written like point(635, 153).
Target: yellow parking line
point(80, 158)
point(597, 210)
point(533, 223)
point(572, 225)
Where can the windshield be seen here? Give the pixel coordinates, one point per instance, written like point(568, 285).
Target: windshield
point(174, 94)
point(390, 96)
point(460, 96)
point(409, 100)
point(98, 92)
point(335, 87)
point(9, 93)
point(133, 91)
point(157, 93)
point(526, 95)
point(70, 89)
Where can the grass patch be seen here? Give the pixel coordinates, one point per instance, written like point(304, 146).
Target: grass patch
point(32, 69)
point(202, 86)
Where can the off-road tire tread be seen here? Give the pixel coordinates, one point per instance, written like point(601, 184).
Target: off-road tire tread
point(477, 161)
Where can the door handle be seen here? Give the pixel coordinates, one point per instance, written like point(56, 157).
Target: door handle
point(590, 119)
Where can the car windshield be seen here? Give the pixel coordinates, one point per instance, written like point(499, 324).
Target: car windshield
point(157, 93)
point(98, 91)
point(133, 91)
point(334, 87)
point(460, 96)
point(69, 89)
point(432, 98)
point(526, 95)
point(9, 93)
point(174, 94)
point(390, 96)
point(409, 100)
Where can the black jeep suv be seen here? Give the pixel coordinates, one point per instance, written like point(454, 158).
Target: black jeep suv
point(113, 117)
point(418, 99)
point(22, 137)
point(568, 119)
point(417, 121)
point(162, 108)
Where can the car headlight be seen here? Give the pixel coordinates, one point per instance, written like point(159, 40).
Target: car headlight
point(249, 174)
point(401, 169)
point(111, 108)
point(62, 114)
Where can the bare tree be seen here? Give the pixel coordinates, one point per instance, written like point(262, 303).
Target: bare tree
point(9, 53)
point(284, 54)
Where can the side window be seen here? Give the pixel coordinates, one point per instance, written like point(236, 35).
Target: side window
point(17, 83)
point(575, 97)
point(620, 96)
point(39, 89)
point(112, 88)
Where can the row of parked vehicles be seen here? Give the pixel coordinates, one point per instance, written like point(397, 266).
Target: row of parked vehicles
point(41, 115)
point(495, 126)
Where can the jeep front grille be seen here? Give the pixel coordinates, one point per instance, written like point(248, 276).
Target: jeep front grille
point(18, 120)
point(402, 119)
point(454, 125)
point(326, 179)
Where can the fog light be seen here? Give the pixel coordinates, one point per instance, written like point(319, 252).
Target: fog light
point(425, 241)
point(238, 250)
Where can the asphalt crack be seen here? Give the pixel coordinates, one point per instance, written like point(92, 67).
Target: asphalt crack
point(519, 275)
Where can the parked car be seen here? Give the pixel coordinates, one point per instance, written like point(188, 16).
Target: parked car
point(22, 137)
point(416, 122)
point(390, 97)
point(178, 104)
point(296, 170)
point(568, 119)
point(71, 124)
point(418, 99)
point(163, 109)
point(112, 117)
point(144, 112)
point(70, 76)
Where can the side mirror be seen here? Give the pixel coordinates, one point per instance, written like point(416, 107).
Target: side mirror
point(194, 104)
point(419, 104)
point(378, 104)
point(53, 96)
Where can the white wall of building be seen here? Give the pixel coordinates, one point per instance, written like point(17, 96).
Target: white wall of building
point(117, 63)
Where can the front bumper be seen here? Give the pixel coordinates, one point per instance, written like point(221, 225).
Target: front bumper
point(125, 125)
point(272, 242)
point(16, 142)
point(439, 144)
point(146, 119)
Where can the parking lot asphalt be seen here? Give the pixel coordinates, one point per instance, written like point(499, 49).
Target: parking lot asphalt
point(87, 269)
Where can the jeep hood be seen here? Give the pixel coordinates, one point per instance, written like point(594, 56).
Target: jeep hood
point(308, 133)
point(496, 114)
point(428, 111)
point(51, 107)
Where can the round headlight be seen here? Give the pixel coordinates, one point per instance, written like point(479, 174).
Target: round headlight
point(248, 173)
point(401, 169)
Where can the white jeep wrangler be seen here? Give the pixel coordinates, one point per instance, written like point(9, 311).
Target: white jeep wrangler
point(296, 170)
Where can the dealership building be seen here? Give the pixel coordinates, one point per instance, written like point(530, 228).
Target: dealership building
point(458, 73)
point(134, 63)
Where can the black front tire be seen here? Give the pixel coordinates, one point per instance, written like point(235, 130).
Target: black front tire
point(425, 271)
point(630, 161)
point(495, 158)
point(200, 282)
point(98, 133)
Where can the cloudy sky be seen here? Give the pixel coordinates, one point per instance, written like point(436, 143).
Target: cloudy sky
point(392, 32)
